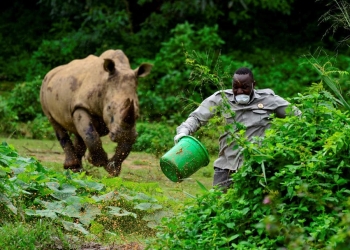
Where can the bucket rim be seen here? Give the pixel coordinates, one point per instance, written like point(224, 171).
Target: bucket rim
point(200, 144)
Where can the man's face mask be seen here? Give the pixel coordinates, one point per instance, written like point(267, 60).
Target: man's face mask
point(243, 98)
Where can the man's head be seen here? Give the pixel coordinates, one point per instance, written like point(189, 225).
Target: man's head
point(243, 82)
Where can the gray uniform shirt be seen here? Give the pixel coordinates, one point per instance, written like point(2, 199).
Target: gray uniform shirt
point(254, 115)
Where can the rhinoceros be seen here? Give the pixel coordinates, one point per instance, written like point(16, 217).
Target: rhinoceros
point(90, 98)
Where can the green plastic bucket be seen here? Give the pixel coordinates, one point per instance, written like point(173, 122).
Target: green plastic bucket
point(184, 159)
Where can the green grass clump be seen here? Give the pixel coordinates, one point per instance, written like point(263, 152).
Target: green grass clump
point(41, 234)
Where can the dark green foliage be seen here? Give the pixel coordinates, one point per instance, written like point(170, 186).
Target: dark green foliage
point(338, 14)
point(167, 33)
point(174, 36)
point(292, 191)
point(52, 53)
point(154, 138)
point(24, 100)
point(48, 33)
point(23, 24)
point(39, 128)
point(164, 91)
point(21, 113)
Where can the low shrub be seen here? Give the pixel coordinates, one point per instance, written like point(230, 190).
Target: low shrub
point(154, 138)
point(24, 100)
point(40, 128)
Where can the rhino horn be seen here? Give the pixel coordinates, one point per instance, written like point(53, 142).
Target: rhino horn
point(128, 112)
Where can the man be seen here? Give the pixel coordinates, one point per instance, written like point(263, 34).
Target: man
point(250, 107)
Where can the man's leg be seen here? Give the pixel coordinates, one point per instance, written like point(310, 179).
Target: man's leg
point(222, 178)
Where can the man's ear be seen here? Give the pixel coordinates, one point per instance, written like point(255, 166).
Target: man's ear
point(254, 83)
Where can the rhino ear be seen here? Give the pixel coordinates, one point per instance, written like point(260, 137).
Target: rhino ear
point(109, 66)
point(143, 70)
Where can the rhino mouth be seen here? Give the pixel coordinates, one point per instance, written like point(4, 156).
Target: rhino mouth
point(113, 136)
point(122, 135)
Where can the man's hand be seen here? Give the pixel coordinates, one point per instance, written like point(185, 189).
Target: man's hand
point(178, 137)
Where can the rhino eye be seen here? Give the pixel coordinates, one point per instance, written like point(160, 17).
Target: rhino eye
point(108, 107)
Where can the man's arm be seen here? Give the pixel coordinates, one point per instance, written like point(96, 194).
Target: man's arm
point(281, 112)
point(199, 117)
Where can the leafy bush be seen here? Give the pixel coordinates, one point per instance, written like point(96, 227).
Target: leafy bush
point(8, 118)
point(39, 128)
point(158, 138)
point(163, 92)
point(21, 114)
point(24, 100)
point(292, 191)
point(52, 53)
point(154, 138)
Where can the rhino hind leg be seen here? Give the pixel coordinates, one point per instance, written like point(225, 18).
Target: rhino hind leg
point(79, 145)
point(72, 161)
point(86, 130)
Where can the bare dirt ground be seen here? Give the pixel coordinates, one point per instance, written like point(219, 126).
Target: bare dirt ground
point(54, 154)
point(129, 246)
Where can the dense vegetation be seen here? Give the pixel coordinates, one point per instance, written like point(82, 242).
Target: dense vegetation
point(271, 37)
point(291, 193)
point(46, 209)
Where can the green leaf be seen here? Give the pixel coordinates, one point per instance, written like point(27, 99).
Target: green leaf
point(61, 192)
point(4, 171)
point(341, 181)
point(55, 206)
point(152, 224)
point(263, 170)
point(148, 206)
point(231, 225)
point(5, 200)
point(74, 226)
point(89, 215)
point(157, 216)
point(90, 184)
point(42, 213)
point(144, 197)
point(203, 188)
point(106, 197)
point(189, 195)
point(117, 211)
point(245, 210)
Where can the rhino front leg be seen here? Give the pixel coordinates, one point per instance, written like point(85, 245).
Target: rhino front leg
point(72, 161)
point(84, 126)
point(115, 163)
point(122, 151)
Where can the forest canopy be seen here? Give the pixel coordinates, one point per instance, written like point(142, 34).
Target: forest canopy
point(271, 37)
